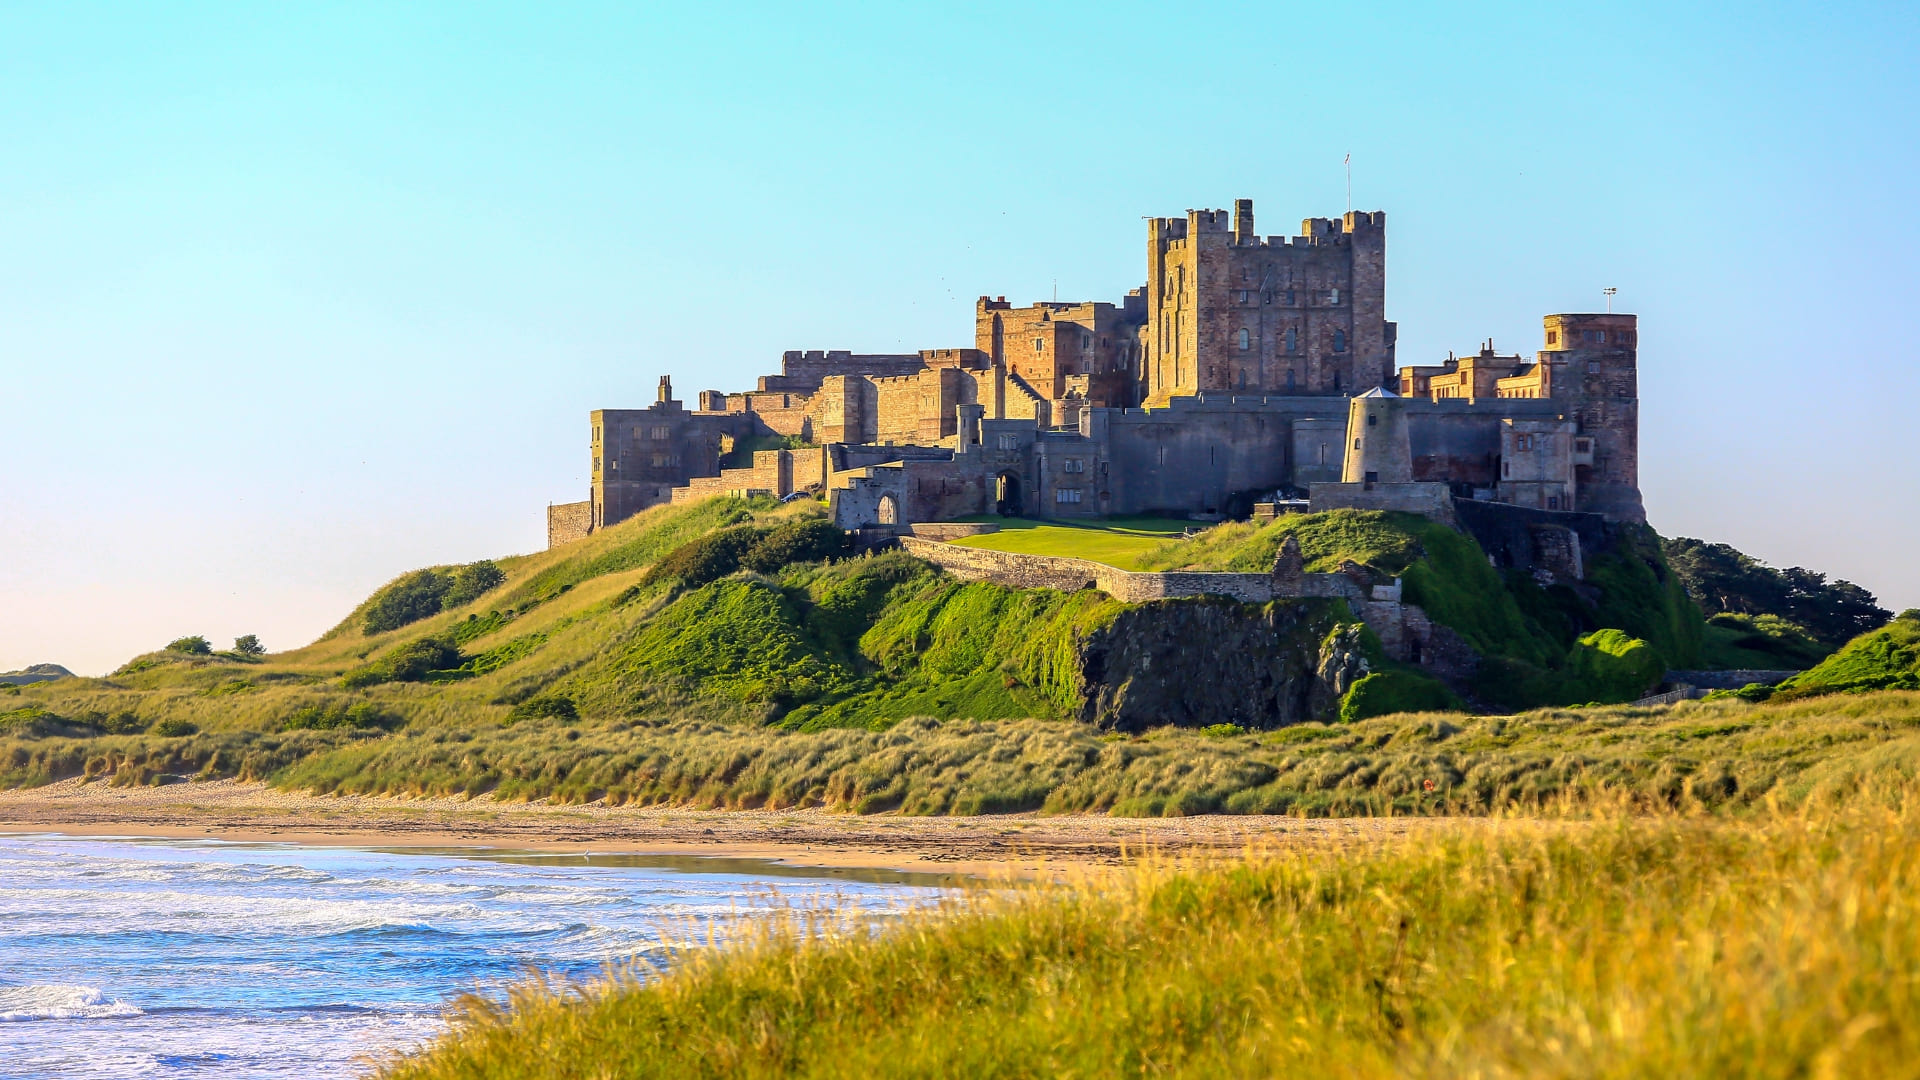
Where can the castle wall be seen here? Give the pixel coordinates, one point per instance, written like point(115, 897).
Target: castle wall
point(567, 522)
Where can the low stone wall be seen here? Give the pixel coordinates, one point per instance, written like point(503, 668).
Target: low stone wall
point(951, 530)
point(1728, 680)
point(1020, 571)
point(1405, 631)
point(568, 522)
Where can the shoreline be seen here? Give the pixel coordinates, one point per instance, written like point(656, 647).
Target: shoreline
point(1026, 846)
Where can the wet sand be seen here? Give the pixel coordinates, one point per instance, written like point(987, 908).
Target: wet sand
point(1000, 845)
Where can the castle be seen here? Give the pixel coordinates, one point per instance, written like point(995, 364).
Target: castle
point(1248, 368)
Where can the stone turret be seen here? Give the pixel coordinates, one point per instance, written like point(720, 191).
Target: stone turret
point(1378, 449)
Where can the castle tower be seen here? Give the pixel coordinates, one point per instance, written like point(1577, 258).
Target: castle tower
point(1228, 310)
point(1378, 449)
point(1596, 363)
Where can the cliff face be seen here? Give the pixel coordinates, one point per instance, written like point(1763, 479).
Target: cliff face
point(1206, 661)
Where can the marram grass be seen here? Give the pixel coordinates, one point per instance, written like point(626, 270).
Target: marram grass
point(1783, 945)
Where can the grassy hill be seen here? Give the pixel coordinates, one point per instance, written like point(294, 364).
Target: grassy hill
point(730, 653)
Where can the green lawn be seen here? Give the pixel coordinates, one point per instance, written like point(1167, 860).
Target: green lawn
point(1116, 541)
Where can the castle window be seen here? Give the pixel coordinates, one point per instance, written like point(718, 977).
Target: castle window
point(1066, 495)
point(1373, 420)
point(1553, 337)
point(1074, 465)
point(1506, 469)
point(661, 431)
point(1290, 382)
point(1246, 339)
point(1009, 442)
point(1289, 296)
point(614, 463)
point(1293, 345)
point(1333, 297)
point(1339, 341)
point(1356, 444)
point(596, 464)
point(1600, 336)
point(1323, 453)
point(1039, 345)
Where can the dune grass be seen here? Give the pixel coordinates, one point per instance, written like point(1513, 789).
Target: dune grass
point(1782, 945)
point(1126, 543)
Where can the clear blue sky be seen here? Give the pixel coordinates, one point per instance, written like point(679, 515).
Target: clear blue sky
point(296, 297)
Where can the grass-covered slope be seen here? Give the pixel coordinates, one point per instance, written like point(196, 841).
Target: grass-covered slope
point(1777, 948)
point(709, 654)
point(1883, 659)
point(1540, 642)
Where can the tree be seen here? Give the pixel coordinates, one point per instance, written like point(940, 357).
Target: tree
point(192, 646)
point(249, 645)
point(1721, 580)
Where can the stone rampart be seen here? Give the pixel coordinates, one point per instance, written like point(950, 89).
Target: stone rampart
point(1020, 571)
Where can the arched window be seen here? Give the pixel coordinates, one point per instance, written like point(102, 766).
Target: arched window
point(1339, 341)
point(1246, 339)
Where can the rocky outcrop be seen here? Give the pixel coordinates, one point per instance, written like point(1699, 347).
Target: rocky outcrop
point(1196, 662)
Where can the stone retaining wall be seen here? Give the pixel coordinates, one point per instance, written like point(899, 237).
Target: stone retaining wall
point(1055, 572)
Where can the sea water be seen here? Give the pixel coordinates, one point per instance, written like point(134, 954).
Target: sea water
point(203, 959)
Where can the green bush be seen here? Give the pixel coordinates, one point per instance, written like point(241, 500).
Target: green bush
point(423, 594)
point(470, 582)
point(1610, 667)
point(1386, 692)
point(807, 540)
point(192, 646)
point(330, 716)
point(549, 706)
point(409, 662)
point(174, 727)
point(708, 558)
point(249, 645)
point(407, 600)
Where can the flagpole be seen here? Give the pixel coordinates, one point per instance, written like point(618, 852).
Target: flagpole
point(1349, 164)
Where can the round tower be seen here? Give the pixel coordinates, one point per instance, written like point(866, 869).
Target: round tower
point(1378, 451)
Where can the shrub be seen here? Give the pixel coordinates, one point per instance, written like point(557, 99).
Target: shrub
point(122, 723)
point(249, 645)
point(1386, 692)
point(470, 582)
point(410, 662)
point(192, 646)
point(552, 706)
point(1611, 667)
point(335, 716)
point(1912, 614)
point(174, 727)
point(706, 559)
point(809, 540)
point(1222, 731)
point(413, 597)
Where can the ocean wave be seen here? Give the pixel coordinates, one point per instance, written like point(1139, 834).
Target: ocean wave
point(59, 1003)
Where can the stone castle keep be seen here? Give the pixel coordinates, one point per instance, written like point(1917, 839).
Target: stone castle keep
point(1246, 368)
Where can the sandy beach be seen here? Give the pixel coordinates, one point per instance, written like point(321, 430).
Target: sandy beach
point(1019, 845)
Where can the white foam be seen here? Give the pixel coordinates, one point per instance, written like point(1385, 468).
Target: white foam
point(59, 1003)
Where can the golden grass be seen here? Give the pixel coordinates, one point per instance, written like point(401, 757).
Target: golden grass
point(1784, 945)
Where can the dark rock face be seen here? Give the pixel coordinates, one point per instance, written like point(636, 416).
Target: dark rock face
point(1209, 660)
